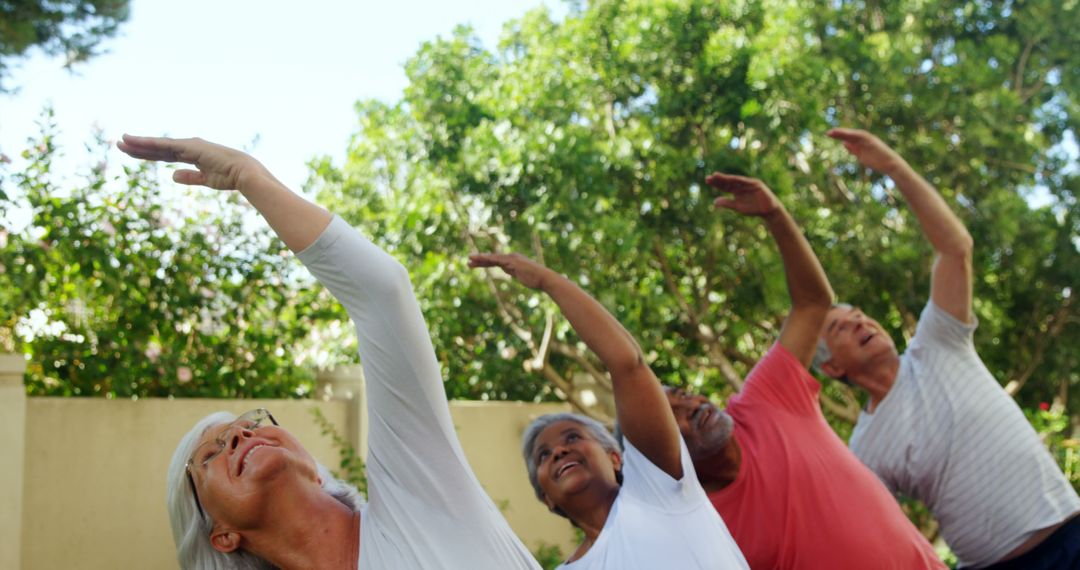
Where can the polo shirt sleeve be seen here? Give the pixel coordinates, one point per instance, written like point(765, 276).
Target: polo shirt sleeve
point(782, 382)
point(938, 328)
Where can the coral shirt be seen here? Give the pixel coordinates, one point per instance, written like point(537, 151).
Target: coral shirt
point(801, 499)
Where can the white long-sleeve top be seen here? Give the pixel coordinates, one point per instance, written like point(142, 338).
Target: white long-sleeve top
point(426, 509)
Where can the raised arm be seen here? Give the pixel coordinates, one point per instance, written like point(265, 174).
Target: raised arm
point(294, 219)
point(411, 441)
point(642, 408)
point(811, 295)
point(951, 281)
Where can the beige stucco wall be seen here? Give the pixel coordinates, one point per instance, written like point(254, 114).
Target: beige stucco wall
point(94, 485)
point(12, 445)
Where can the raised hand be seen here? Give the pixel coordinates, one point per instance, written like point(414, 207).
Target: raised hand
point(749, 196)
point(216, 166)
point(869, 149)
point(528, 272)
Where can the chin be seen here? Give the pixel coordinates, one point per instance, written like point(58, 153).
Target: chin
point(713, 441)
point(725, 427)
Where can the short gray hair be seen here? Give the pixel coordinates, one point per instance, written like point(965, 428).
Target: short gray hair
point(191, 532)
point(528, 444)
point(822, 354)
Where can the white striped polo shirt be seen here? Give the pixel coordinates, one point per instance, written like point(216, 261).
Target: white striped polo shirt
point(948, 434)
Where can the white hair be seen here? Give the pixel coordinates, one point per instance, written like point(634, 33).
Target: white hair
point(822, 354)
point(191, 531)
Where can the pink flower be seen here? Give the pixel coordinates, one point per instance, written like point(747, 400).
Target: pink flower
point(1044, 406)
point(183, 374)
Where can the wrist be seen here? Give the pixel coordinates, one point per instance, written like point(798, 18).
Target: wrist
point(253, 177)
point(551, 280)
point(775, 215)
point(898, 169)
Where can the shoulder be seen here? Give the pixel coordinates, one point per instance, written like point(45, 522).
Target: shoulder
point(781, 379)
point(939, 329)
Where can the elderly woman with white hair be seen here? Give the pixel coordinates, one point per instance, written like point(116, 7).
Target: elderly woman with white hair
point(641, 509)
point(244, 493)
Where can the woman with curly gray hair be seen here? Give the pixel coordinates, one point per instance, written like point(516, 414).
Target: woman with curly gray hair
point(639, 509)
point(244, 493)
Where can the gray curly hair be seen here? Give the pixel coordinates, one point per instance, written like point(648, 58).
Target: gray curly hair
point(191, 532)
point(528, 445)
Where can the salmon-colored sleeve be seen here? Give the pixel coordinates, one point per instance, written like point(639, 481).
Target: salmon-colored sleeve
point(781, 381)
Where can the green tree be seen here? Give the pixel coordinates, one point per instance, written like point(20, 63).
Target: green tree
point(72, 29)
point(115, 290)
point(584, 140)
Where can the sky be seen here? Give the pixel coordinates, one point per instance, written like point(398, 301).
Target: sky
point(263, 75)
point(260, 75)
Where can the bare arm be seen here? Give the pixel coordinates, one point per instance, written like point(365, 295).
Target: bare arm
point(811, 295)
point(951, 281)
point(642, 408)
point(294, 219)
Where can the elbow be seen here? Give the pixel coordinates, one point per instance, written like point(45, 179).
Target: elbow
point(390, 277)
point(961, 247)
point(627, 366)
point(816, 300)
point(398, 275)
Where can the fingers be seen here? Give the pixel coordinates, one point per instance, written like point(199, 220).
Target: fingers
point(155, 148)
point(488, 260)
point(190, 177)
point(732, 183)
point(721, 180)
point(722, 202)
point(848, 135)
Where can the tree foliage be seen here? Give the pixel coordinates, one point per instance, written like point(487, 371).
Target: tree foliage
point(116, 289)
point(72, 29)
point(584, 140)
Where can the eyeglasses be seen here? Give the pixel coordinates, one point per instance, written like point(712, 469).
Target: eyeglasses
point(208, 451)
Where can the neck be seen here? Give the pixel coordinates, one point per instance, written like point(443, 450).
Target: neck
point(720, 469)
point(878, 378)
point(317, 533)
point(589, 511)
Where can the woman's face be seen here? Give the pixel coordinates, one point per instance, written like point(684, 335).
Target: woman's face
point(569, 461)
point(234, 487)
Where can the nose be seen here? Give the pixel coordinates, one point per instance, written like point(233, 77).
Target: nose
point(236, 435)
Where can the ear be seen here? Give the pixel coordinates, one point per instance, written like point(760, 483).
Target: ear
point(832, 369)
point(547, 501)
point(616, 459)
point(225, 541)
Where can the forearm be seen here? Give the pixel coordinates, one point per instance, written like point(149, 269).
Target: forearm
point(806, 280)
point(942, 228)
point(296, 221)
point(596, 327)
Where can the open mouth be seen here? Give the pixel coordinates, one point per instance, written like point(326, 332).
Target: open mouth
point(247, 457)
point(702, 415)
point(565, 467)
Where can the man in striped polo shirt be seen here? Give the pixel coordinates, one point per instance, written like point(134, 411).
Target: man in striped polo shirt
point(938, 427)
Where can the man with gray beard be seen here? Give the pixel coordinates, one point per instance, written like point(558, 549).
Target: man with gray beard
point(789, 490)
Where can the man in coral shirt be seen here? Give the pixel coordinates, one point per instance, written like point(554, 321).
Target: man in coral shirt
point(790, 491)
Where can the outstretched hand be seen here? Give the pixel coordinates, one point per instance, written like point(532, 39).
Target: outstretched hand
point(870, 150)
point(528, 272)
point(749, 196)
point(216, 166)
